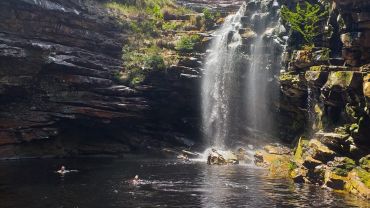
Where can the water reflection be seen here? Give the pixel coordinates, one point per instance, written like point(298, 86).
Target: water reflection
point(33, 184)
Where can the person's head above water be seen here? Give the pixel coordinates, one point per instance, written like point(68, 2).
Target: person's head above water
point(63, 168)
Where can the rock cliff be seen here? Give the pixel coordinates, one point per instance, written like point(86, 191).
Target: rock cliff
point(59, 91)
point(325, 95)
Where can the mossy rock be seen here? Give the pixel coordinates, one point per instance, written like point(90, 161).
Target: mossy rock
point(310, 57)
point(298, 175)
point(358, 182)
point(289, 77)
point(366, 86)
point(319, 68)
point(334, 141)
point(344, 80)
point(342, 165)
point(316, 78)
point(320, 152)
point(365, 162)
point(278, 165)
point(334, 181)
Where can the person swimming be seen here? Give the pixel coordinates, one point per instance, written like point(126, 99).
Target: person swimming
point(62, 170)
point(136, 180)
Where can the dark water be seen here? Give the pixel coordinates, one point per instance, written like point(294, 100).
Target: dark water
point(103, 183)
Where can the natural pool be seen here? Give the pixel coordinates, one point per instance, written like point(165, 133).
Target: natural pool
point(167, 183)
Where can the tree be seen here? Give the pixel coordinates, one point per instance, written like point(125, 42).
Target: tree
point(305, 20)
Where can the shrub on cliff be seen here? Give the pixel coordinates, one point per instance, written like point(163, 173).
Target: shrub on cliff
point(210, 18)
point(305, 20)
point(155, 62)
point(187, 43)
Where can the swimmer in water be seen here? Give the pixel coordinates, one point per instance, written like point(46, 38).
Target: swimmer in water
point(62, 170)
point(136, 180)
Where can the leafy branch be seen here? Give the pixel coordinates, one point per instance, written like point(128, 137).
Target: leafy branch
point(305, 20)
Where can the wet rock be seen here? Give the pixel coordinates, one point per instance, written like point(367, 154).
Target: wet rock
point(222, 158)
point(298, 175)
point(320, 152)
point(334, 181)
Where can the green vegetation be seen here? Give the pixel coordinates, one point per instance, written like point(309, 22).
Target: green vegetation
point(289, 77)
point(305, 20)
point(292, 166)
point(210, 17)
point(155, 62)
point(346, 166)
point(168, 26)
point(149, 47)
point(364, 176)
point(187, 43)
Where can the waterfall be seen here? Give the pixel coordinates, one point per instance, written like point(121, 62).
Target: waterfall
point(256, 87)
point(239, 82)
point(218, 81)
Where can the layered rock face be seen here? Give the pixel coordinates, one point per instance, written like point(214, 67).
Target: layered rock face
point(328, 86)
point(224, 6)
point(59, 94)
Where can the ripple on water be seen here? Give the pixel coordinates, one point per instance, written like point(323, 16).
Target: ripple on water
point(165, 184)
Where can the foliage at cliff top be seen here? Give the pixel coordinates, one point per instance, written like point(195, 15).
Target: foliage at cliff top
point(305, 20)
point(155, 25)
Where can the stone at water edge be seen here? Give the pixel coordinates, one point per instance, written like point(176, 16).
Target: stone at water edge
point(277, 161)
point(222, 158)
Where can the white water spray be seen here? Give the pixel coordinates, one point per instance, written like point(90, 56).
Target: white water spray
point(218, 80)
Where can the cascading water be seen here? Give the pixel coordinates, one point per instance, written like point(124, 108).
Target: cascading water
point(238, 88)
point(218, 81)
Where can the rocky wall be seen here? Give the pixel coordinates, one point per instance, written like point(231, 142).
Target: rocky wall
point(59, 91)
point(327, 86)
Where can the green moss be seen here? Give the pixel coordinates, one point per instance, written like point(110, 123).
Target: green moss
point(292, 166)
point(340, 78)
point(365, 163)
point(364, 176)
point(345, 167)
point(318, 68)
point(288, 76)
point(302, 142)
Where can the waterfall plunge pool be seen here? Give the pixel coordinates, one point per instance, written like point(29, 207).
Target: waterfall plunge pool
point(102, 183)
